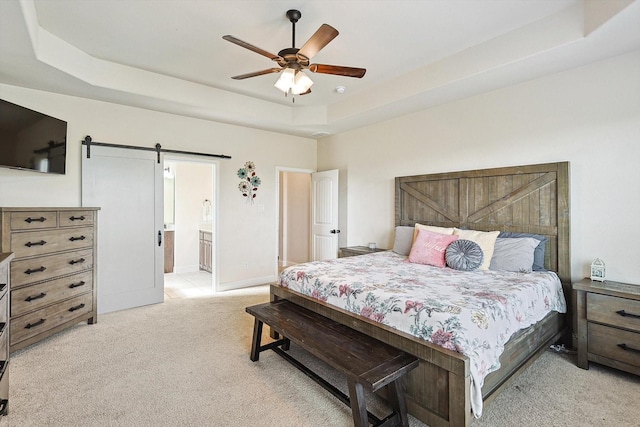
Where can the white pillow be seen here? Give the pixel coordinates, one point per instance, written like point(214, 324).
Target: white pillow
point(485, 239)
point(442, 230)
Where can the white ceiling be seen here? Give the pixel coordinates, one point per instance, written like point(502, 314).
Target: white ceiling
point(169, 55)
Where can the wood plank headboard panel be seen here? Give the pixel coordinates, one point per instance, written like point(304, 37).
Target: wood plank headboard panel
point(529, 199)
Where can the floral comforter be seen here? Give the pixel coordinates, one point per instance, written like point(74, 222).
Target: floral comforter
point(474, 313)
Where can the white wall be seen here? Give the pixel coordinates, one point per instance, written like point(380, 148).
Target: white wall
point(588, 116)
point(194, 184)
point(247, 233)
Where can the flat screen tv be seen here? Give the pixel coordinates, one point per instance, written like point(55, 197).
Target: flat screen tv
point(30, 140)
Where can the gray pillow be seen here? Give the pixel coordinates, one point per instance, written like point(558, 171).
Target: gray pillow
point(538, 254)
point(514, 254)
point(403, 240)
point(464, 255)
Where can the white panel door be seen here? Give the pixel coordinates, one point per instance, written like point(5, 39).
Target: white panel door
point(128, 186)
point(324, 215)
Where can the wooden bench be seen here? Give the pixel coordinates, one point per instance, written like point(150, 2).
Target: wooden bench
point(366, 362)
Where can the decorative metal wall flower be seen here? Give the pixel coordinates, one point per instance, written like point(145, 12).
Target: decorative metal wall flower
point(250, 181)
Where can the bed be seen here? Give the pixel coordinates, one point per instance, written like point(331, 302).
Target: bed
point(530, 199)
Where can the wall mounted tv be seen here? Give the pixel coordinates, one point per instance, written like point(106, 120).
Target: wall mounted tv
point(30, 140)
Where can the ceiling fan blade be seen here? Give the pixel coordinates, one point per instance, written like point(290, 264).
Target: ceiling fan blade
point(337, 70)
point(318, 40)
point(252, 48)
point(257, 73)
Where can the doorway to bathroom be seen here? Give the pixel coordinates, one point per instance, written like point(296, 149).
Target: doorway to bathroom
point(294, 205)
point(190, 227)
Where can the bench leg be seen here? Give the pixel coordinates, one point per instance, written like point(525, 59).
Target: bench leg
point(358, 404)
point(397, 402)
point(257, 337)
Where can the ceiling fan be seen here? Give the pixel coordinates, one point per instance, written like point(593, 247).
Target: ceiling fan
point(293, 61)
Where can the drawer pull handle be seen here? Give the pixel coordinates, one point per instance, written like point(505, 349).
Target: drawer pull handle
point(77, 218)
point(625, 314)
point(33, 325)
point(627, 348)
point(36, 270)
point(77, 261)
point(73, 239)
point(40, 243)
point(30, 298)
point(77, 285)
point(77, 307)
point(2, 326)
point(41, 219)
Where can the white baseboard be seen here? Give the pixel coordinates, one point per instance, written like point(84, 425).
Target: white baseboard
point(289, 264)
point(228, 286)
point(186, 269)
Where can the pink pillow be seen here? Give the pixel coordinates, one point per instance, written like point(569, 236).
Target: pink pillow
point(429, 248)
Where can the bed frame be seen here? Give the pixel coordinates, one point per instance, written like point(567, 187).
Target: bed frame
point(531, 199)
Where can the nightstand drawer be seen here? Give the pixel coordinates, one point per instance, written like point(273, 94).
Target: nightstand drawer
point(615, 311)
point(615, 344)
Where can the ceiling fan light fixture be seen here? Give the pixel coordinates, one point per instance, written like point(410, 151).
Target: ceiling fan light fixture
point(286, 80)
point(293, 81)
point(301, 83)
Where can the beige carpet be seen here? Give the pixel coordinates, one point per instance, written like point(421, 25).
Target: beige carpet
point(186, 363)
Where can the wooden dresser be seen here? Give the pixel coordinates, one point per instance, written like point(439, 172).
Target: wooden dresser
point(53, 274)
point(5, 258)
point(608, 318)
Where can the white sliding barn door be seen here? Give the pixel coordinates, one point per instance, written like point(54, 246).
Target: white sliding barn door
point(128, 186)
point(324, 215)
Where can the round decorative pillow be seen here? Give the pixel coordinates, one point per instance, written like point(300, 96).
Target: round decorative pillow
point(464, 255)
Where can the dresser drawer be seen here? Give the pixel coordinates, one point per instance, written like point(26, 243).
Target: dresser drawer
point(4, 309)
point(36, 269)
point(32, 324)
point(76, 218)
point(4, 343)
point(4, 386)
point(34, 297)
point(34, 220)
point(4, 277)
point(42, 242)
point(615, 311)
point(615, 344)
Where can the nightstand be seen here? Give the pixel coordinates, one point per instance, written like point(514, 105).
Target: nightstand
point(608, 317)
point(358, 250)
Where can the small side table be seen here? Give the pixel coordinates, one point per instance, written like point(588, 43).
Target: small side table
point(358, 250)
point(608, 318)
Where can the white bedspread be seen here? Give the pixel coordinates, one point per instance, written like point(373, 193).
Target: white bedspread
point(474, 313)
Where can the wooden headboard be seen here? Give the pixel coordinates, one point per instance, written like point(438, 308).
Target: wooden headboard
point(530, 199)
